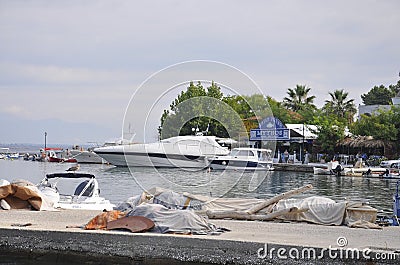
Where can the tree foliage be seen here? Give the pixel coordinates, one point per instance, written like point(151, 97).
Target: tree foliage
point(378, 95)
point(382, 125)
point(340, 105)
point(298, 99)
point(206, 110)
point(330, 132)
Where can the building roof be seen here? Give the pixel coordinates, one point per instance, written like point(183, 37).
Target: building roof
point(308, 131)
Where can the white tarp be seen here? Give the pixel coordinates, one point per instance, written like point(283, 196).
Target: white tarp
point(315, 209)
point(320, 210)
point(173, 220)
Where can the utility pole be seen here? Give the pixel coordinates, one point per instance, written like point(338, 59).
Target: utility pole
point(45, 141)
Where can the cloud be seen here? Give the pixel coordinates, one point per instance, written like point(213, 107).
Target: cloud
point(14, 73)
point(82, 61)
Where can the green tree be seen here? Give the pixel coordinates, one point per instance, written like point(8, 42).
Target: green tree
point(378, 95)
point(395, 89)
point(240, 105)
point(340, 105)
point(279, 111)
point(380, 126)
point(200, 109)
point(330, 132)
point(298, 98)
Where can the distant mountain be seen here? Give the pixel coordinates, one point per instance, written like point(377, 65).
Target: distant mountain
point(17, 130)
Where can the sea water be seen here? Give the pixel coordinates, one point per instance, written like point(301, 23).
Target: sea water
point(117, 184)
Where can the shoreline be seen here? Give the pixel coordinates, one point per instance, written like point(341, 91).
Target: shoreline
point(48, 235)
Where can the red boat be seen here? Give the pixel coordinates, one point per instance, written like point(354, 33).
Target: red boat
point(64, 160)
point(51, 155)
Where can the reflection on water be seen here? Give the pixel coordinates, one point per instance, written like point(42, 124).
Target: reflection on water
point(117, 184)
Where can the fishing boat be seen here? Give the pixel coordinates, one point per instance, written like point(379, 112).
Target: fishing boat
point(190, 151)
point(85, 197)
point(243, 158)
point(52, 154)
point(86, 155)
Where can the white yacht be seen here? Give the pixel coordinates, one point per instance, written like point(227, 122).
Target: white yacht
point(86, 157)
point(188, 151)
point(243, 158)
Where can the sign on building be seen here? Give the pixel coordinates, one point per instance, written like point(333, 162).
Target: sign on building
point(270, 129)
point(269, 134)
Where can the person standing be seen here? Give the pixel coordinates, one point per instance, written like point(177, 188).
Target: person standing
point(286, 156)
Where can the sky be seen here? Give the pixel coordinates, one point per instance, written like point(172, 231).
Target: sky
point(73, 68)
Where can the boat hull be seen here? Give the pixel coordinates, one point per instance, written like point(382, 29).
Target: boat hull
point(87, 157)
point(96, 206)
point(159, 160)
point(175, 152)
point(226, 164)
point(322, 171)
point(59, 160)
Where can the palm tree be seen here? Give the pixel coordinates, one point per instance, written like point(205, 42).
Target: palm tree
point(340, 105)
point(298, 98)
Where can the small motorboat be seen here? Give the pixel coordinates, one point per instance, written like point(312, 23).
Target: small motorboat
point(331, 168)
point(85, 197)
point(55, 155)
point(367, 172)
point(243, 158)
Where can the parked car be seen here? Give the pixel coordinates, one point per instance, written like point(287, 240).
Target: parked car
point(395, 165)
point(389, 163)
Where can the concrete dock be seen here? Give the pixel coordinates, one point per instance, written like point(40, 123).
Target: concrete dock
point(248, 242)
point(297, 167)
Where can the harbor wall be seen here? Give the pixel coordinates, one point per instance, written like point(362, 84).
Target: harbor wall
point(99, 247)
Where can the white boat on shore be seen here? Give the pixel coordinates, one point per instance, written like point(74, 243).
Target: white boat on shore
point(85, 197)
point(367, 172)
point(188, 151)
point(243, 158)
point(331, 168)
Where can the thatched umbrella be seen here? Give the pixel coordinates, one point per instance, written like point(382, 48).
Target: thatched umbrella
point(366, 142)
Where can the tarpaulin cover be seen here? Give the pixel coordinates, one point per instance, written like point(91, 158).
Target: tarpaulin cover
point(314, 209)
point(321, 210)
point(172, 220)
point(100, 221)
point(173, 200)
point(24, 195)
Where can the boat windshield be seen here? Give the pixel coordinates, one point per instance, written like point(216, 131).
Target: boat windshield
point(243, 153)
point(263, 155)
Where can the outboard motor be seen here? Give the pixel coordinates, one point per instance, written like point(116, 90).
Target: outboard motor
point(337, 170)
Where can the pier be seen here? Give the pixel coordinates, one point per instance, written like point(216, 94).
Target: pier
point(42, 235)
point(295, 167)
